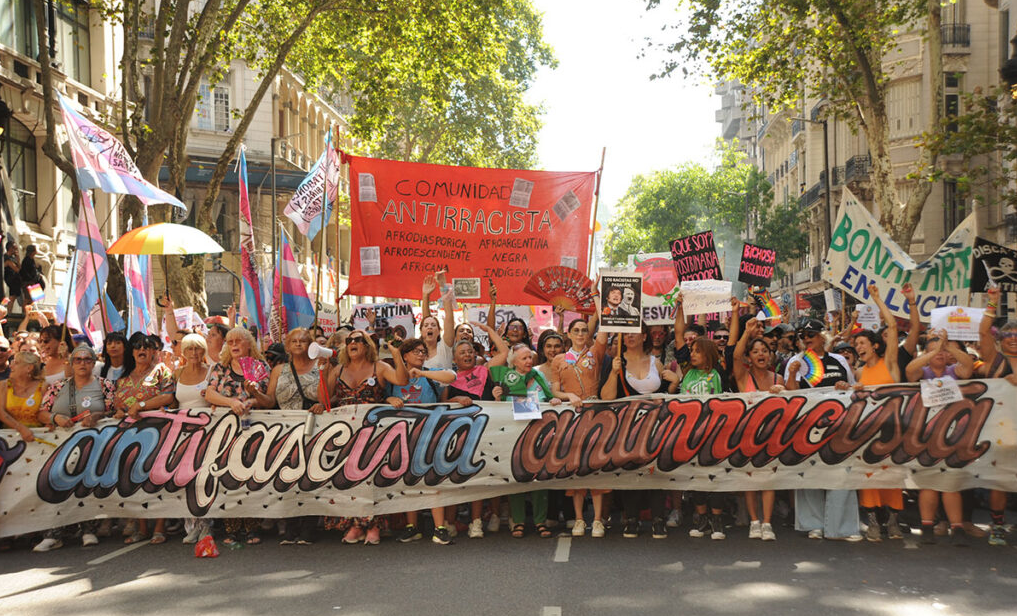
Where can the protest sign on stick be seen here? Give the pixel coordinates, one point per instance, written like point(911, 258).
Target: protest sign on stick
point(620, 301)
point(390, 318)
point(695, 257)
point(960, 322)
point(757, 265)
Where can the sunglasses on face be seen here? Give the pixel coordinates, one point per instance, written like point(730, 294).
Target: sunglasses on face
point(721, 337)
point(82, 360)
point(1007, 335)
point(354, 339)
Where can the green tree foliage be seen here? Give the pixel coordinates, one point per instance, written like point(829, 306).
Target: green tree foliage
point(832, 50)
point(663, 205)
point(438, 82)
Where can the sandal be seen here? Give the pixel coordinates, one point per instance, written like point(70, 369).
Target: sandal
point(543, 531)
point(135, 538)
point(518, 531)
point(231, 539)
point(253, 539)
point(158, 538)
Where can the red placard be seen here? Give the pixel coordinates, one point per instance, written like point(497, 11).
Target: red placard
point(412, 219)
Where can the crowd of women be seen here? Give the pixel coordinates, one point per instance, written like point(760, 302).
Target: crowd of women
point(56, 380)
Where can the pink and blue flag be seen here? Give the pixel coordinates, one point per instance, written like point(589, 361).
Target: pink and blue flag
point(252, 303)
point(36, 293)
point(298, 311)
point(138, 318)
point(102, 162)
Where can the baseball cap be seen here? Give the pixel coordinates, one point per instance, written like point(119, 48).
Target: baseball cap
point(276, 350)
point(810, 325)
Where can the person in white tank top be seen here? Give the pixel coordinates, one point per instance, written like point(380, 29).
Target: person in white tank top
point(192, 378)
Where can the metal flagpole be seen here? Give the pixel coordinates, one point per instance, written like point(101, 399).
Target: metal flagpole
point(596, 204)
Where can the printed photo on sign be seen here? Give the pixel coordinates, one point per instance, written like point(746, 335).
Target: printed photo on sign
point(391, 320)
point(370, 261)
point(706, 296)
point(521, 190)
point(572, 262)
point(466, 288)
point(368, 190)
point(695, 257)
point(756, 267)
point(566, 205)
point(620, 302)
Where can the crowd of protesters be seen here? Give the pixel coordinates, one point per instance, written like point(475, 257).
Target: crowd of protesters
point(54, 379)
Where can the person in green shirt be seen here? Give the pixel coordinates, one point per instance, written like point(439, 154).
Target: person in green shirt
point(517, 381)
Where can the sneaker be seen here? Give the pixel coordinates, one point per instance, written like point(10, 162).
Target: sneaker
point(755, 530)
point(997, 535)
point(48, 544)
point(579, 528)
point(494, 523)
point(766, 532)
point(288, 541)
point(410, 533)
point(928, 534)
point(304, 542)
point(873, 532)
point(373, 536)
point(816, 533)
point(973, 531)
point(476, 529)
point(441, 536)
point(893, 530)
point(598, 529)
point(959, 538)
point(852, 538)
point(631, 529)
point(700, 524)
point(354, 535)
point(88, 539)
point(717, 528)
point(674, 519)
point(659, 529)
point(195, 534)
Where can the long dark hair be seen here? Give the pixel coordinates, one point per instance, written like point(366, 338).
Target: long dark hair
point(527, 336)
point(128, 354)
point(542, 340)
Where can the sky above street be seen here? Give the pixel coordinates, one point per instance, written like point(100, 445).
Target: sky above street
point(601, 95)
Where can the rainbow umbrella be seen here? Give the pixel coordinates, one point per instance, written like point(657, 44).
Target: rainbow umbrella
point(164, 238)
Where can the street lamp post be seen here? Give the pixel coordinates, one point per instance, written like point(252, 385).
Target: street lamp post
point(826, 174)
point(273, 141)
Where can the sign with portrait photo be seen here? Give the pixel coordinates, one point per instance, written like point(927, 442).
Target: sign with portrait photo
point(620, 301)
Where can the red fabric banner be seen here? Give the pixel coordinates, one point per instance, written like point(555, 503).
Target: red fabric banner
point(413, 219)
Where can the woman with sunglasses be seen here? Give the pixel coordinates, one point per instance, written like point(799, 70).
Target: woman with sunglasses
point(149, 386)
point(360, 378)
point(424, 387)
point(80, 398)
point(517, 332)
point(999, 354)
point(117, 357)
point(575, 377)
point(230, 385)
point(474, 382)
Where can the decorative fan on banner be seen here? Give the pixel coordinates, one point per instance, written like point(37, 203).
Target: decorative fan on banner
point(814, 370)
point(563, 287)
point(253, 369)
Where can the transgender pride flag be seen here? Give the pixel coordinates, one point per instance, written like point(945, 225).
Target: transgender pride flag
point(298, 311)
point(252, 305)
point(102, 162)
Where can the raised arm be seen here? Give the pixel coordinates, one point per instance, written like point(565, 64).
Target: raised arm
point(448, 328)
point(492, 317)
point(733, 322)
point(679, 321)
point(986, 341)
point(913, 371)
point(396, 376)
point(914, 320)
point(428, 287)
point(965, 366)
point(170, 318)
point(892, 341)
point(738, 366)
point(501, 347)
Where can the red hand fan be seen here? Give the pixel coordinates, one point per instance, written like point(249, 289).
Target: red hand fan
point(563, 287)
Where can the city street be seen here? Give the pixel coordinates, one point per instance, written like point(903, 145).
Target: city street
point(502, 576)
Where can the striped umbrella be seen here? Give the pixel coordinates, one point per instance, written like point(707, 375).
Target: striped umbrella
point(164, 238)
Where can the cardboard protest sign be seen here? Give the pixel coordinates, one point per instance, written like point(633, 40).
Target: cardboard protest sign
point(389, 319)
point(502, 315)
point(659, 286)
point(328, 319)
point(412, 219)
point(757, 265)
point(960, 322)
point(861, 253)
point(695, 257)
point(995, 263)
point(620, 301)
point(706, 296)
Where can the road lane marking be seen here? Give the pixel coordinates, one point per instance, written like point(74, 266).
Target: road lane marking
point(120, 552)
point(551, 610)
point(561, 552)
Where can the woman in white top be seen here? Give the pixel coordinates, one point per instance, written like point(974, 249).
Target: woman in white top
point(192, 377)
point(438, 338)
point(54, 354)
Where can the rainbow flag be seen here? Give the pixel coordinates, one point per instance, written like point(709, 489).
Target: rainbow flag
point(36, 293)
point(769, 306)
point(814, 371)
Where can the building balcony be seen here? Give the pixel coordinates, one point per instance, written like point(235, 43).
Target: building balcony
point(956, 35)
point(25, 74)
point(797, 126)
point(857, 168)
point(810, 196)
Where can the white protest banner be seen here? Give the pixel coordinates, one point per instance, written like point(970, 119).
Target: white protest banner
point(960, 322)
point(620, 301)
point(868, 316)
point(388, 317)
point(705, 296)
point(861, 253)
point(940, 391)
point(659, 285)
point(374, 459)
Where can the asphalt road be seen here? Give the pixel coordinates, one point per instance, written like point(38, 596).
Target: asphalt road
point(502, 576)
